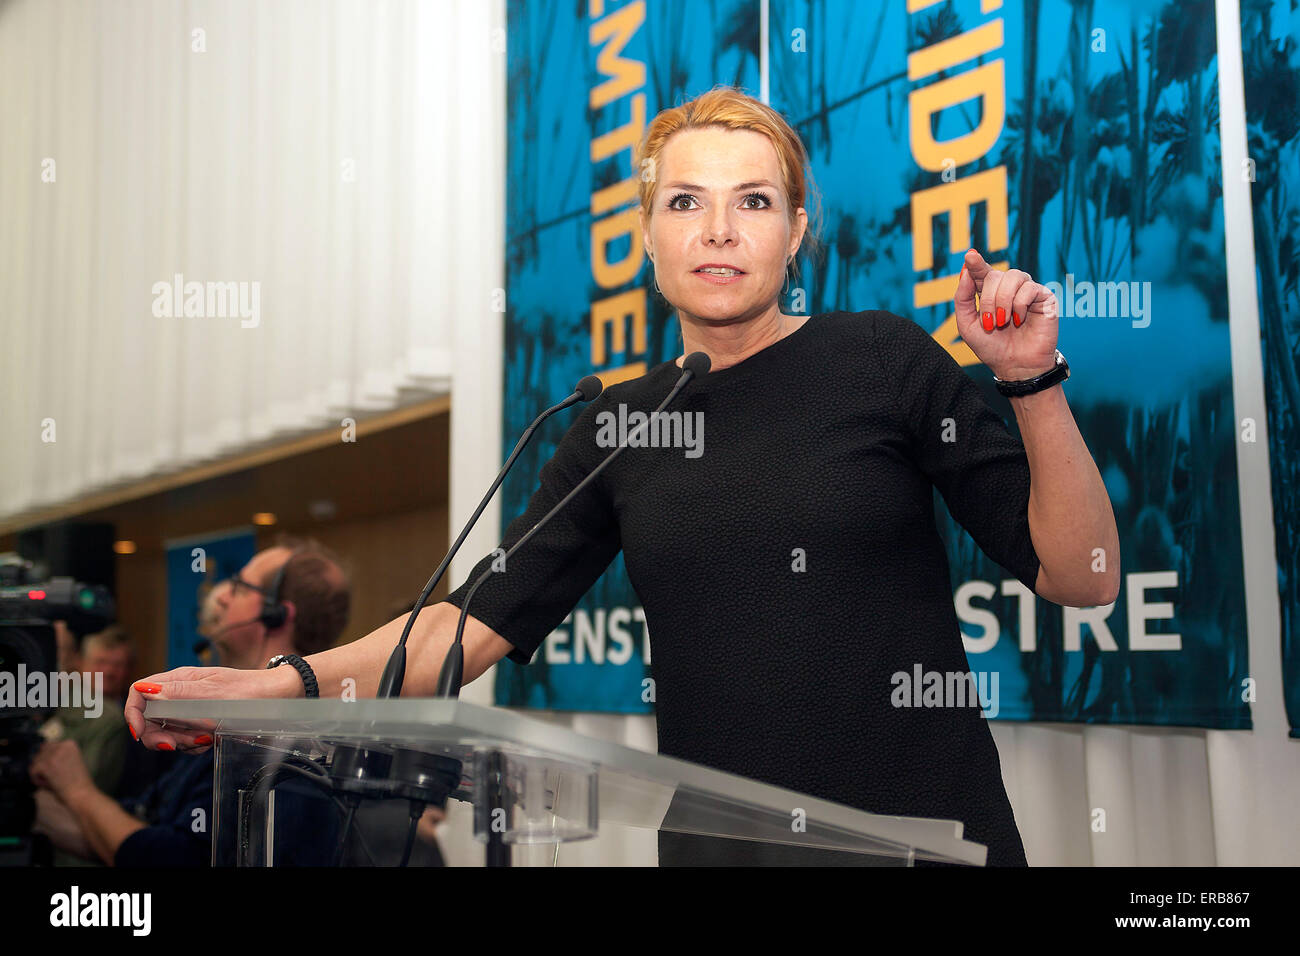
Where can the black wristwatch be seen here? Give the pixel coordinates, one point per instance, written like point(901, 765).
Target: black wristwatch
point(302, 667)
point(1054, 376)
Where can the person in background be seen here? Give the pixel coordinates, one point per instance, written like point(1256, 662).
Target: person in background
point(111, 653)
point(116, 765)
point(102, 737)
point(167, 825)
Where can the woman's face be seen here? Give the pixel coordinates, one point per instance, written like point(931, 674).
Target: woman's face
point(718, 200)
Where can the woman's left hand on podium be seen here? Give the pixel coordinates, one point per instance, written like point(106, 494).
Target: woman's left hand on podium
point(200, 683)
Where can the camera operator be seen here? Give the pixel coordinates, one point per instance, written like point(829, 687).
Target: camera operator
point(167, 827)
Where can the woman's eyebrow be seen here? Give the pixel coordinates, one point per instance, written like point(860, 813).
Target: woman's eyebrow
point(756, 183)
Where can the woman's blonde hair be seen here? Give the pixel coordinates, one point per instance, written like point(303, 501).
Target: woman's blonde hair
point(727, 107)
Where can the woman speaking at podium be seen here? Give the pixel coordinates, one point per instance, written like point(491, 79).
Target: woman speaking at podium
point(793, 568)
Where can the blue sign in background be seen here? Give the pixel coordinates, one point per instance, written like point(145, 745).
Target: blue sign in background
point(222, 555)
point(1112, 176)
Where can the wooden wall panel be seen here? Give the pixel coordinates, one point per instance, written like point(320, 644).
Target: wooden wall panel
point(388, 491)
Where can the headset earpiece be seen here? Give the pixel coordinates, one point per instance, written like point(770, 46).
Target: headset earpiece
point(274, 613)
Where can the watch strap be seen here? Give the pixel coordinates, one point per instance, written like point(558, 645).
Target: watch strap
point(1054, 376)
point(302, 667)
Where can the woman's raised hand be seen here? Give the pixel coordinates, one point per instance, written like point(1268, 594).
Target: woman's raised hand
point(1014, 326)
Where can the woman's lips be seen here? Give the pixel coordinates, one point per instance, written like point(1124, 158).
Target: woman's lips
point(720, 280)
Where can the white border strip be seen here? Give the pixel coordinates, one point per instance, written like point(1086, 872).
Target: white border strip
point(1251, 774)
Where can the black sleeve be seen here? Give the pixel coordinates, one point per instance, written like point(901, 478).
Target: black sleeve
point(540, 585)
point(961, 444)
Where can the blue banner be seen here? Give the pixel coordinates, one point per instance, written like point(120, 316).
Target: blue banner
point(1075, 141)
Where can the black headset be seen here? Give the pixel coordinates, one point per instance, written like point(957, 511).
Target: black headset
point(274, 613)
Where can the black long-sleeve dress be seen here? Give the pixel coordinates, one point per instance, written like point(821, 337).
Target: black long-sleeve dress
point(793, 567)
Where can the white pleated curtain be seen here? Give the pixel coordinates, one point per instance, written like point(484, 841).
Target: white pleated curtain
point(307, 150)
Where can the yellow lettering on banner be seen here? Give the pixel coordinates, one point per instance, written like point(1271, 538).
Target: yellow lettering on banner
point(621, 137)
point(934, 292)
point(956, 199)
point(624, 75)
point(946, 54)
point(614, 208)
point(986, 83)
point(611, 197)
point(610, 312)
point(625, 373)
point(604, 231)
point(931, 292)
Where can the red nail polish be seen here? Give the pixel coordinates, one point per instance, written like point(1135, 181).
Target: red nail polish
point(1015, 317)
point(165, 746)
point(1002, 316)
point(144, 687)
point(133, 733)
point(203, 739)
point(987, 320)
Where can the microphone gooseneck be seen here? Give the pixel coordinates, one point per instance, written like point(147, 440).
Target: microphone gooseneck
point(361, 772)
point(453, 667)
point(390, 682)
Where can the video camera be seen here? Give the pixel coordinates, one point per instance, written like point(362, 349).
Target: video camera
point(30, 603)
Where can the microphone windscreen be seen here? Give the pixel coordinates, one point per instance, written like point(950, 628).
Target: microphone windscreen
point(697, 363)
point(589, 388)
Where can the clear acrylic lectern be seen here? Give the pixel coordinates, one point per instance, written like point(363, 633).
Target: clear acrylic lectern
point(332, 782)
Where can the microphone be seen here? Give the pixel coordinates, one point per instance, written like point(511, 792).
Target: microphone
point(453, 666)
point(360, 771)
point(390, 682)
